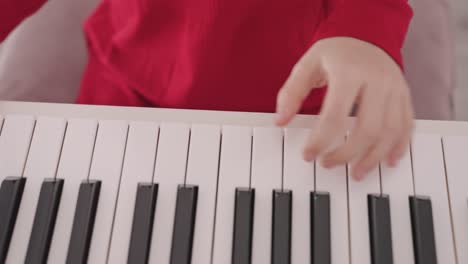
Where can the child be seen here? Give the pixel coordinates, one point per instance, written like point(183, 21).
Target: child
point(256, 55)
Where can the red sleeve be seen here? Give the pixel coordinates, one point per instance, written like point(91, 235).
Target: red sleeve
point(13, 12)
point(383, 23)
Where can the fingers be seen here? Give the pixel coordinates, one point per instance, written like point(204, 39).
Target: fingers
point(331, 125)
point(390, 134)
point(366, 132)
point(402, 146)
point(306, 75)
point(398, 150)
point(372, 141)
point(384, 118)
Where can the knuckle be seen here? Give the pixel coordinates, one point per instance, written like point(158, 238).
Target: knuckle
point(393, 131)
point(370, 161)
point(299, 69)
point(341, 76)
point(334, 156)
point(370, 133)
point(333, 119)
point(314, 146)
point(400, 151)
point(343, 155)
point(350, 75)
point(318, 143)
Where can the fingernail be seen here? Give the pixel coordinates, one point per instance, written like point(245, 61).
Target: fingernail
point(282, 114)
point(392, 161)
point(309, 155)
point(326, 163)
point(358, 175)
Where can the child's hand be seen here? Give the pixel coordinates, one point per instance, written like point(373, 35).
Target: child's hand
point(360, 73)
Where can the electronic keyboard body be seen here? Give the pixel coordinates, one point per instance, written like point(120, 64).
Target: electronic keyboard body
point(104, 184)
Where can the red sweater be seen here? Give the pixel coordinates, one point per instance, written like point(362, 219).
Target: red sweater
point(214, 54)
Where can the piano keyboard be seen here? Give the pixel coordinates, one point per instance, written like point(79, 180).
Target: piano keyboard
point(96, 184)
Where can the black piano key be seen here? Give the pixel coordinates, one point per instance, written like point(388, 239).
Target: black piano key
point(243, 226)
point(281, 233)
point(11, 193)
point(83, 222)
point(142, 227)
point(423, 230)
point(380, 229)
point(320, 228)
point(44, 221)
point(184, 224)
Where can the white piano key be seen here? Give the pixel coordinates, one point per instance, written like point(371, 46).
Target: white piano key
point(138, 168)
point(106, 166)
point(75, 162)
point(334, 182)
point(299, 177)
point(266, 176)
point(15, 139)
point(397, 182)
point(41, 163)
point(234, 172)
point(203, 171)
point(359, 216)
point(169, 172)
point(456, 157)
point(429, 180)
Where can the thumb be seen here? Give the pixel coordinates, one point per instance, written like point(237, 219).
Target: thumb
point(306, 75)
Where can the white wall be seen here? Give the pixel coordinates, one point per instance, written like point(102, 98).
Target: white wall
point(460, 20)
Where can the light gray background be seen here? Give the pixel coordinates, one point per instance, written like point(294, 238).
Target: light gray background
point(460, 19)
